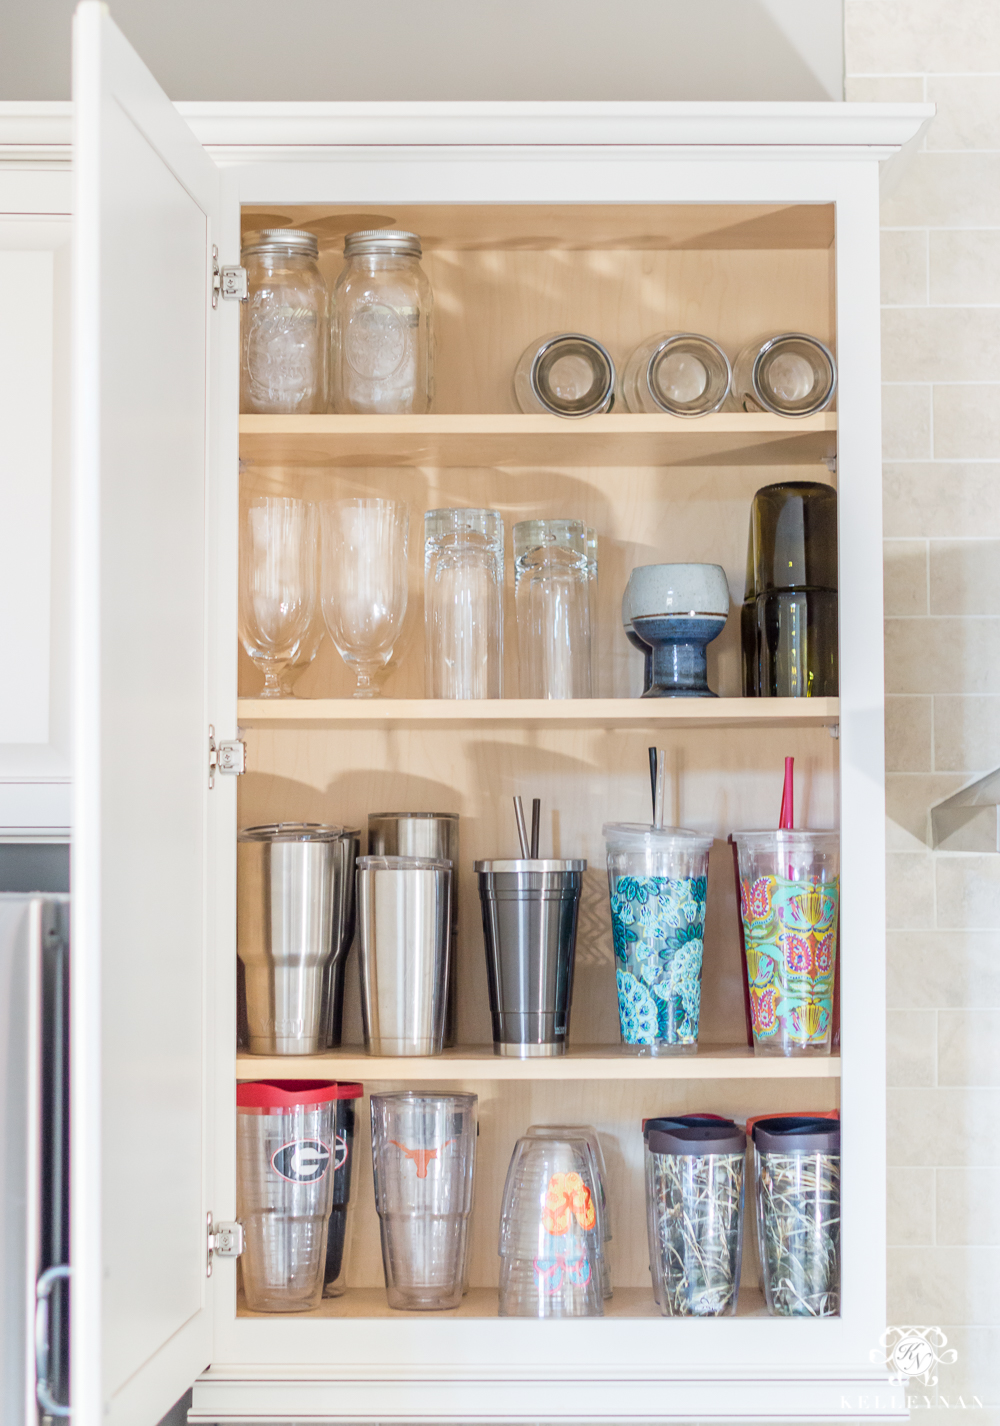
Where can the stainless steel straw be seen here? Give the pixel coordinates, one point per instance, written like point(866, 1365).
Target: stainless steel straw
point(522, 831)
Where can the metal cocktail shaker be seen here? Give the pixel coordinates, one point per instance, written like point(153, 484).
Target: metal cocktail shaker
point(530, 912)
point(292, 912)
point(404, 923)
point(424, 834)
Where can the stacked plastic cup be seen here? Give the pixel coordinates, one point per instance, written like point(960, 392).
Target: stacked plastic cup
point(695, 1185)
point(674, 1121)
point(589, 1134)
point(286, 1151)
point(790, 897)
point(424, 1156)
point(658, 879)
point(551, 1233)
point(797, 1181)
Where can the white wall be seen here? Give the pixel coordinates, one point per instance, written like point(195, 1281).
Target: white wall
point(448, 49)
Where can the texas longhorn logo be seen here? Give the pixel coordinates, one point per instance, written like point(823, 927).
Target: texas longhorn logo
point(421, 1157)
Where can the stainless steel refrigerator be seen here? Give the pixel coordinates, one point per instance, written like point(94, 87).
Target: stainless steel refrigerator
point(34, 1158)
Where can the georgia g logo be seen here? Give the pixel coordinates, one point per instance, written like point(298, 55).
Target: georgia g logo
point(301, 1161)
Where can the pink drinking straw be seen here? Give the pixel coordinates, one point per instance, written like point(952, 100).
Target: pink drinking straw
point(786, 820)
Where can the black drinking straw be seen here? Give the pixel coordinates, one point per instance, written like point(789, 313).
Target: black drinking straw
point(536, 825)
point(652, 779)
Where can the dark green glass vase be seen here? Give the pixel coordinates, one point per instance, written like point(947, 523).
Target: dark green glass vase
point(789, 624)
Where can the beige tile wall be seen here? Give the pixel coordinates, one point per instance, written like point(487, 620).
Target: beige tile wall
point(941, 411)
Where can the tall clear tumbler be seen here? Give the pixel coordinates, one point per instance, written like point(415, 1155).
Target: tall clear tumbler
point(286, 1151)
point(365, 582)
point(277, 582)
point(552, 596)
point(424, 1157)
point(463, 603)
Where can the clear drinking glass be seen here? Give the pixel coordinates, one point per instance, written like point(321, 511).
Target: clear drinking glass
point(382, 330)
point(552, 597)
point(695, 1183)
point(364, 582)
point(658, 879)
point(424, 1156)
point(797, 1178)
point(551, 1238)
point(463, 603)
point(277, 582)
point(565, 374)
point(283, 324)
point(285, 1165)
point(589, 1134)
point(788, 374)
point(592, 603)
point(677, 372)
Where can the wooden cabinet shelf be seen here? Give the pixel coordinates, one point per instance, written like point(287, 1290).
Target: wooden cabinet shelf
point(589, 1062)
point(661, 713)
point(482, 1302)
point(500, 440)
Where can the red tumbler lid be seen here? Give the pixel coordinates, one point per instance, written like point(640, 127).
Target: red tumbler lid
point(287, 1093)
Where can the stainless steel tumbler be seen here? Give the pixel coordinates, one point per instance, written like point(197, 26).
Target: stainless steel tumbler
point(290, 899)
point(530, 911)
point(433, 835)
point(404, 922)
point(344, 917)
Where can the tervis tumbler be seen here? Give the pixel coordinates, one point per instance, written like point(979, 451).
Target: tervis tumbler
point(286, 1149)
point(658, 879)
point(797, 1180)
point(424, 1157)
point(789, 902)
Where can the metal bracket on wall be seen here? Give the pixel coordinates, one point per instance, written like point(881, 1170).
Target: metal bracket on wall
point(969, 820)
point(225, 756)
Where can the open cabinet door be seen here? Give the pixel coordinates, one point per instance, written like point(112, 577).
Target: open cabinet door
point(146, 206)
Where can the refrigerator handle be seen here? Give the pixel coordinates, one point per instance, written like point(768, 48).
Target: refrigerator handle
point(43, 1390)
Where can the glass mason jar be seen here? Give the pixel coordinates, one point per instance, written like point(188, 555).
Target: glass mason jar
point(679, 373)
point(565, 374)
point(788, 374)
point(551, 594)
point(463, 603)
point(382, 332)
point(282, 324)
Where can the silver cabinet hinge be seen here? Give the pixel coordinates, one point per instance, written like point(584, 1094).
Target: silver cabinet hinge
point(228, 282)
point(228, 757)
point(225, 1240)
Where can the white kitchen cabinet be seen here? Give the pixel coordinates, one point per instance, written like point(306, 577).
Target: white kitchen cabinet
point(731, 219)
point(34, 487)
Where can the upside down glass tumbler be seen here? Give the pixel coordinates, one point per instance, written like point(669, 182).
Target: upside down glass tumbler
point(463, 603)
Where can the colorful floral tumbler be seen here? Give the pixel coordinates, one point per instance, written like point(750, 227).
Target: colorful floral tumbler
point(658, 882)
point(789, 899)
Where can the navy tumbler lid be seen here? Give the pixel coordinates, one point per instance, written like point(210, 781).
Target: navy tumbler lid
point(796, 1134)
point(683, 1121)
point(697, 1139)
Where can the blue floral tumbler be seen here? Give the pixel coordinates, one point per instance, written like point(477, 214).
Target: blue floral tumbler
point(658, 877)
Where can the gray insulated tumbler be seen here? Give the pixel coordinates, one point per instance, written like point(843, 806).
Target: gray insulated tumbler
point(530, 912)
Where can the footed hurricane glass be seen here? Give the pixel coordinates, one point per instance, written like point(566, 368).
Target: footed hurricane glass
point(364, 583)
point(277, 582)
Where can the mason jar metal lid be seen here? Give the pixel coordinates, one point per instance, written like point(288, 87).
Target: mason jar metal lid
point(295, 832)
point(292, 240)
point(383, 240)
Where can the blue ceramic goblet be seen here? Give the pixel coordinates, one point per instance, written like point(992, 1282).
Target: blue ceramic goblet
point(678, 609)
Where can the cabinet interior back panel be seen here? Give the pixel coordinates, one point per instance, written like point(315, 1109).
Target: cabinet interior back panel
point(489, 306)
point(643, 515)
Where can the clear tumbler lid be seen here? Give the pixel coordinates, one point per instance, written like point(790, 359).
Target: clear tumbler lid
point(797, 839)
point(640, 837)
point(295, 832)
